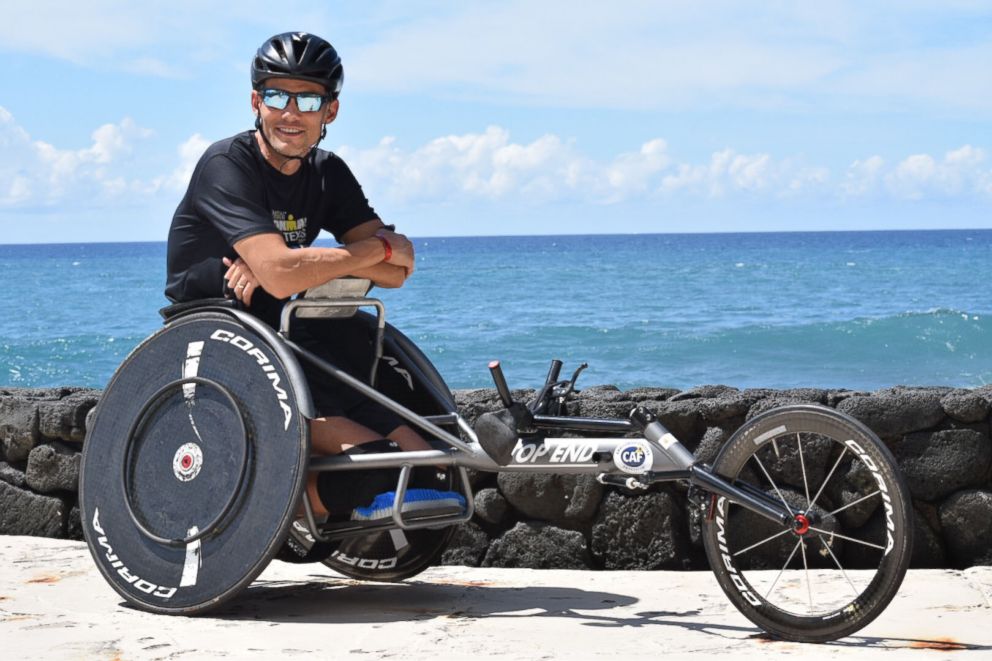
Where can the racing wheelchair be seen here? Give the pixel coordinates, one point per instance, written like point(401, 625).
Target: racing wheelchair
point(196, 459)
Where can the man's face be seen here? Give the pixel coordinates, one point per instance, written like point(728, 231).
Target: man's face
point(290, 131)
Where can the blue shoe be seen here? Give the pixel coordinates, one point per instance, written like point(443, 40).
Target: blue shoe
point(421, 502)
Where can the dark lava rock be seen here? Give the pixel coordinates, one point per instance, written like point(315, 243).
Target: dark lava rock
point(967, 521)
point(808, 395)
point(538, 546)
point(491, 506)
point(568, 500)
point(26, 513)
point(708, 392)
point(640, 532)
point(966, 405)
point(711, 443)
point(835, 397)
point(602, 393)
point(683, 419)
point(723, 410)
point(928, 549)
point(849, 484)
point(74, 525)
point(18, 427)
point(894, 412)
point(612, 408)
point(53, 467)
point(64, 417)
point(781, 458)
point(467, 546)
point(645, 394)
point(11, 475)
point(473, 403)
point(774, 402)
point(940, 463)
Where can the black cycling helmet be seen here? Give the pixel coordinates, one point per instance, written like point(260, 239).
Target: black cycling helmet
point(298, 55)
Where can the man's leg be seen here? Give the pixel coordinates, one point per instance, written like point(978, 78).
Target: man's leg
point(334, 435)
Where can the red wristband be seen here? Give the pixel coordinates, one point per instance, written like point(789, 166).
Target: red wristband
point(389, 248)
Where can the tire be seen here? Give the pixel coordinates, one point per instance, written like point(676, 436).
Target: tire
point(178, 446)
point(832, 574)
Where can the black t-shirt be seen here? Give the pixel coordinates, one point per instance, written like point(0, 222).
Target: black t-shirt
point(234, 193)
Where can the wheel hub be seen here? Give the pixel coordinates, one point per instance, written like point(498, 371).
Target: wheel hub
point(801, 524)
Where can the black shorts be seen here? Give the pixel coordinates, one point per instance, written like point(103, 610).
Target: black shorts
point(349, 348)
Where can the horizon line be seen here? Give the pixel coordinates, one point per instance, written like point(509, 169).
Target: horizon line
point(551, 236)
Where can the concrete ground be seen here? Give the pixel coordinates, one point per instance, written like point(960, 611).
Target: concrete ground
point(54, 604)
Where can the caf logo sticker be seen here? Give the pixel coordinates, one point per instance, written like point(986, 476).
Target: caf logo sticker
point(633, 458)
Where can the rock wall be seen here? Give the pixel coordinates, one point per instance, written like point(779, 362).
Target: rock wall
point(41, 436)
point(940, 437)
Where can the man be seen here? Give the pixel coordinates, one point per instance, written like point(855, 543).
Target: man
point(257, 201)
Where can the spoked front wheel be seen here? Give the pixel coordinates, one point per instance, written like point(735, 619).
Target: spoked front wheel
point(842, 558)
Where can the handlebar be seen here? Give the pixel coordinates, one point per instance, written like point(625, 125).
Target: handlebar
point(500, 380)
point(552, 389)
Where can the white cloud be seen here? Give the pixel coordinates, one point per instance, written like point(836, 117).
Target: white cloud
point(960, 171)
point(189, 152)
point(35, 172)
point(491, 166)
point(483, 164)
point(729, 172)
point(862, 176)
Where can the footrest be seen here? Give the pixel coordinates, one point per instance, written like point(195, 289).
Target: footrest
point(417, 503)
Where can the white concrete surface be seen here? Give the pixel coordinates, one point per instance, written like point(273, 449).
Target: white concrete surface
point(55, 605)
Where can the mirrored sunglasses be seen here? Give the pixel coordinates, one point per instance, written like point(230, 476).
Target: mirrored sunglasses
point(305, 101)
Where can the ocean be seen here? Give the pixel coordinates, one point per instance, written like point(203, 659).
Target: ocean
point(859, 310)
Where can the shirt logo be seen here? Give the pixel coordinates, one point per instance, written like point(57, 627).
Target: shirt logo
point(294, 230)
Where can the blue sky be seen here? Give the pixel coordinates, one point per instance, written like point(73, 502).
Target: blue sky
point(518, 117)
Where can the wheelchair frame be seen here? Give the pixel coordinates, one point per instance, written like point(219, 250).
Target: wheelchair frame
point(671, 460)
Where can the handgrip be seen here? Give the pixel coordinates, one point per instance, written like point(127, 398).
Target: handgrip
point(554, 372)
point(500, 380)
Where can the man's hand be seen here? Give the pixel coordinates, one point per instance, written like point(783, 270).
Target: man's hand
point(240, 279)
point(402, 249)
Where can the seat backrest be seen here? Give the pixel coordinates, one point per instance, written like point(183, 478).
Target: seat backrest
point(339, 289)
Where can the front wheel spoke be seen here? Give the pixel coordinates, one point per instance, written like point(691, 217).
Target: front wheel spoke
point(850, 539)
point(837, 562)
point(809, 585)
point(784, 567)
point(863, 498)
point(772, 482)
point(802, 465)
point(765, 540)
point(829, 475)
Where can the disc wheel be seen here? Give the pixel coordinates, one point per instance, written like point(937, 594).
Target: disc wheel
point(839, 562)
point(193, 465)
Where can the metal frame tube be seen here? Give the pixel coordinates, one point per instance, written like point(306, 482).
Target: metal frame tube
point(759, 503)
point(379, 398)
point(583, 424)
point(316, 303)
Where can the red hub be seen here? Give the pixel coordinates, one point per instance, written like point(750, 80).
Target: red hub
point(187, 461)
point(801, 524)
